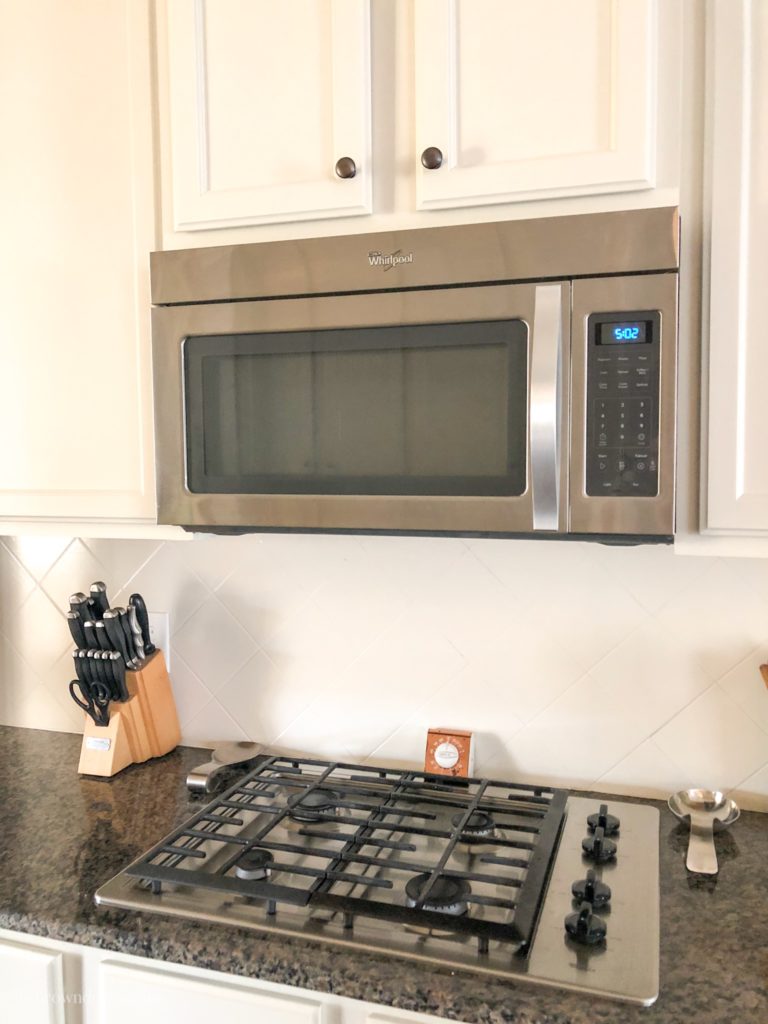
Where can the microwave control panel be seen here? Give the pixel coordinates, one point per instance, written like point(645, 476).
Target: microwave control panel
point(622, 449)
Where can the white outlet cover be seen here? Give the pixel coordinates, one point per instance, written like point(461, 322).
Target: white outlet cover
point(160, 634)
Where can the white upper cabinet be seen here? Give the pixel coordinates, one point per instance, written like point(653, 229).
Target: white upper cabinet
point(77, 216)
point(528, 100)
point(737, 430)
point(269, 110)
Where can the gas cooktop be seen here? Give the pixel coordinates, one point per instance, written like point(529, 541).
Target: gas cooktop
point(506, 879)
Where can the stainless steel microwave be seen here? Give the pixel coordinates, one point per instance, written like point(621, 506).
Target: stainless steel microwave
point(499, 378)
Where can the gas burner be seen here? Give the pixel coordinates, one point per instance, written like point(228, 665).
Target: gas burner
point(479, 825)
point(448, 895)
point(315, 805)
point(254, 865)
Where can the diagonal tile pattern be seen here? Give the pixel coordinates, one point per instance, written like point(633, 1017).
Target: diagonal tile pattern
point(631, 670)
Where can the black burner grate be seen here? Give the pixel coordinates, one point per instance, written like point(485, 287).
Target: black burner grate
point(350, 838)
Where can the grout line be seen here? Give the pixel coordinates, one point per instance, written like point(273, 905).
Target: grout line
point(14, 558)
point(746, 778)
point(435, 694)
point(192, 671)
point(744, 711)
point(193, 742)
point(58, 558)
point(554, 700)
point(124, 585)
point(685, 707)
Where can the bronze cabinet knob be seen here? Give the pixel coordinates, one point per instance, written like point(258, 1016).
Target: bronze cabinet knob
point(345, 167)
point(431, 158)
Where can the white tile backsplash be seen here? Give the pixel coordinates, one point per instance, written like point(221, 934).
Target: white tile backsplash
point(630, 670)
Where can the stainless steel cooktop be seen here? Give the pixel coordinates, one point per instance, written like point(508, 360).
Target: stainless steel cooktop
point(491, 877)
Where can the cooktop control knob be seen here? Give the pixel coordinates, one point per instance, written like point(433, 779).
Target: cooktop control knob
point(590, 890)
point(598, 848)
point(609, 823)
point(585, 927)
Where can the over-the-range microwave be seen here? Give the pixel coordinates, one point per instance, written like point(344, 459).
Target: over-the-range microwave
point(499, 378)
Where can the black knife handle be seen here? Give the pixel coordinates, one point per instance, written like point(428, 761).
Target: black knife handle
point(80, 603)
point(91, 638)
point(137, 601)
point(102, 639)
point(106, 673)
point(99, 599)
point(80, 666)
point(125, 625)
point(93, 671)
point(76, 628)
point(118, 672)
point(137, 637)
point(115, 633)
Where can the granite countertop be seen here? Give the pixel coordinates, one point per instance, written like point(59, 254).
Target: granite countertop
point(62, 836)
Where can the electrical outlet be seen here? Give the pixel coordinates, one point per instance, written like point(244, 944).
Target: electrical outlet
point(160, 634)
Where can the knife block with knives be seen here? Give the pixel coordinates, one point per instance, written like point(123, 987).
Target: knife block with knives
point(144, 726)
point(122, 685)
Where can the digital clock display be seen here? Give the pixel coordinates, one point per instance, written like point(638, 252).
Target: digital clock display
point(629, 333)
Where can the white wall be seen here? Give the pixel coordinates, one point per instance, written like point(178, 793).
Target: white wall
point(628, 670)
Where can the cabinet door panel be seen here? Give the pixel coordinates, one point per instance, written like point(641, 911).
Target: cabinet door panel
point(737, 487)
point(31, 983)
point(130, 994)
point(528, 99)
point(265, 97)
point(77, 215)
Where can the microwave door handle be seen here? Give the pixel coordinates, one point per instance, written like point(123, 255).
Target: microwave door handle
point(546, 358)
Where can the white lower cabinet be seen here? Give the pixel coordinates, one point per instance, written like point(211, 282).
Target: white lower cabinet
point(129, 994)
point(43, 981)
point(31, 984)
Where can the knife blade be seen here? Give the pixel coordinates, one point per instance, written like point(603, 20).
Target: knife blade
point(116, 634)
point(136, 601)
point(76, 628)
point(99, 600)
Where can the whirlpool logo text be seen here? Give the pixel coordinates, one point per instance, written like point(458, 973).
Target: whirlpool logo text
point(387, 261)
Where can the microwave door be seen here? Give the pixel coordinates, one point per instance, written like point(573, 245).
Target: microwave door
point(433, 411)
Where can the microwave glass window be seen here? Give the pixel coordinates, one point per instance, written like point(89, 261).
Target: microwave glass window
point(434, 409)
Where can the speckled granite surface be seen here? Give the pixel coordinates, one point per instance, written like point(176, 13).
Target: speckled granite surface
point(61, 837)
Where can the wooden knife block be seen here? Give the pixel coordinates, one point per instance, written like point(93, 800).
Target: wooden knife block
point(144, 726)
